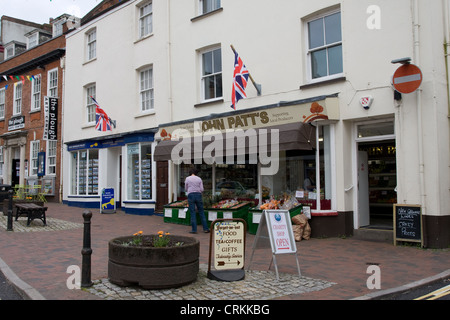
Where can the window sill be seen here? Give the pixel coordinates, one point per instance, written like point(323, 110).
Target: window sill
point(204, 15)
point(35, 111)
point(209, 102)
point(89, 61)
point(89, 125)
point(324, 82)
point(144, 37)
point(145, 113)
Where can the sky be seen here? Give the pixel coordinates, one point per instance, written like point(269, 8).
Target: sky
point(40, 11)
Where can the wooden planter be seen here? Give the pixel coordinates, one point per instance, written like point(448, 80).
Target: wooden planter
point(153, 268)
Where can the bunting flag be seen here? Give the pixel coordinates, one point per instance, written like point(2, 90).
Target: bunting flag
point(20, 78)
point(103, 122)
point(240, 78)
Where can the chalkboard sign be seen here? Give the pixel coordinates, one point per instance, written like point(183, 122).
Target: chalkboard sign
point(407, 223)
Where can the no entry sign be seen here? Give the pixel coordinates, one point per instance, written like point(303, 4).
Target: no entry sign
point(407, 78)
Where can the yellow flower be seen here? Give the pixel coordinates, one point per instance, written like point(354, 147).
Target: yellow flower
point(160, 232)
point(160, 235)
point(140, 232)
point(167, 233)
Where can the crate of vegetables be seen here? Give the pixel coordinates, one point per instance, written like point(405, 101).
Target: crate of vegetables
point(177, 212)
point(228, 209)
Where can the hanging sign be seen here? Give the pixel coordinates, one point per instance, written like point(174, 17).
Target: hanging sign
point(227, 245)
point(51, 118)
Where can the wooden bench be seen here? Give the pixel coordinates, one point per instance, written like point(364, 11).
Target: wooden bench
point(32, 211)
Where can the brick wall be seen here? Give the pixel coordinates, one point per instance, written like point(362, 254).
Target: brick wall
point(34, 120)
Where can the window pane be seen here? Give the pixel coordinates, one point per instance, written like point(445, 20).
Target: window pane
point(376, 129)
point(74, 173)
point(333, 28)
point(217, 60)
point(93, 172)
point(207, 63)
point(209, 88)
point(319, 64)
point(335, 60)
point(146, 170)
point(133, 171)
point(218, 79)
point(315, 32)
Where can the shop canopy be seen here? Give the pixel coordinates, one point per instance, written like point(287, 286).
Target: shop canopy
point(291, 136)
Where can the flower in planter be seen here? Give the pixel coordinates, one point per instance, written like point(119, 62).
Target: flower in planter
point(137, 238)
point(162, 240)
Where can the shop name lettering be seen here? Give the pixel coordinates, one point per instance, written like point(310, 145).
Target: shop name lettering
point(239, 121)
point(223, 144)
point(51, 109)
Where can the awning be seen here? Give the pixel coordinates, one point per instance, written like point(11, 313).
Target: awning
point(292, 136)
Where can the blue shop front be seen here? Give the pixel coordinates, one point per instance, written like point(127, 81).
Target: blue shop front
point(122, 162)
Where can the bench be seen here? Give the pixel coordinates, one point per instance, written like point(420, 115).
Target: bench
point(32, 211)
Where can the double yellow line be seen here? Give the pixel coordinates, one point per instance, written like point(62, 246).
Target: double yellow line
point(435, 294)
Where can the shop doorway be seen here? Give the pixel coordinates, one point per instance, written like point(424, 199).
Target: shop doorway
point(162, 182)
point(15, 175)
point(377, 182)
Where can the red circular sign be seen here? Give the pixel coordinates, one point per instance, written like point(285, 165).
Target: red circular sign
point(407, 78)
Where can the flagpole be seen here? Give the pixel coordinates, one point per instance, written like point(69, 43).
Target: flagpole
point(257, 86)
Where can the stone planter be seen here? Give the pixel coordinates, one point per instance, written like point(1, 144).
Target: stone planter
point(153, 268)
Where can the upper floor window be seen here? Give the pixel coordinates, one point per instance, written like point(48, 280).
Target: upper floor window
point(91, 42)
point(206, 6)
point(58, 28)
point(146, 89)
point(52, 88)
point(325, 46)
point(90, 105)
point(212, 74)
point(36, 93)
point(2, 103)
point(17, 98)
point(33, 40)
point(145, 20)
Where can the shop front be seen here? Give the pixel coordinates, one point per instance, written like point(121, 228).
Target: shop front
point(121, 162)
point(279, 155)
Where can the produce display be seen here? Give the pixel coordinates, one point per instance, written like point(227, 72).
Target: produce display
point(183, 203)
point(285, 202)
point(229, 204)
point(223, 204)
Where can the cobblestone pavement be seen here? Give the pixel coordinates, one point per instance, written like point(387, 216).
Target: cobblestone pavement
point(257, 285)
point(38, 226)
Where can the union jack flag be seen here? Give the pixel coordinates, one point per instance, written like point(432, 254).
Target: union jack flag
point(240, 78)
point(102, 121)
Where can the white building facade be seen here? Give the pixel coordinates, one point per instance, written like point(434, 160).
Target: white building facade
point(157, 66)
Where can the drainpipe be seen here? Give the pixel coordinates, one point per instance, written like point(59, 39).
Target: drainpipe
point(416, 39)
point(446, 16)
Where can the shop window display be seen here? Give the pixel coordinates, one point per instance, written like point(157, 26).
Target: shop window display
point(241, 181)
point(139, 171)
point(85, 172)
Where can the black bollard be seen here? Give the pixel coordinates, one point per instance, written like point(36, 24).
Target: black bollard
point(9, 226)
point(86, 251)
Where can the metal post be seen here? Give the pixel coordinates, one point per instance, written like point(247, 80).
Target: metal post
point(10, 214)
point(86, 251)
